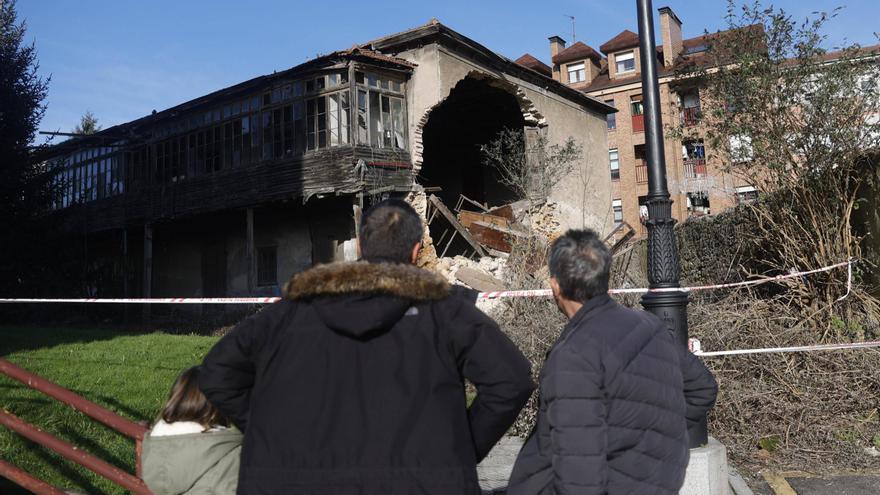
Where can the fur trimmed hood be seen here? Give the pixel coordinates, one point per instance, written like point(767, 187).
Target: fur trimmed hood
point(360, 277)
point(367, 299)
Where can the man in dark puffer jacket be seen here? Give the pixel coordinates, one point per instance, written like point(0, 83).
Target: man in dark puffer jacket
point(354, 383)
point(612, 408)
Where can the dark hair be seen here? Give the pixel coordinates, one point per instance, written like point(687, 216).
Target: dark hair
point(187, 403)
point(389, 230)
point(581, 264)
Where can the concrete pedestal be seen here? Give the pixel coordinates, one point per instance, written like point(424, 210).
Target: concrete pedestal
point(707, 471)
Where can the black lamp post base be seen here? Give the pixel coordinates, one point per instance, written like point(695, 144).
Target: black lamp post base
point(671, 307)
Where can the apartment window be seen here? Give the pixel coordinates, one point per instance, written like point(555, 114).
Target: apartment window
point(638, 111)
point(746, 194)
point(740, 148)
point(577, 73)
point(617, 208)
point(693, 154)
point(614, 161)
point(690, 112)
point(611, 118)
point(643, 214)
point(626, 62)
point(636, 105)
point(267, 265)
point(698, 203)
point(641, 155)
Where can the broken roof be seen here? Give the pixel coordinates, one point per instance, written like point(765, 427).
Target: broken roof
point(436, 32)
point(626, 39)
point(533, 63)
point(577, 51)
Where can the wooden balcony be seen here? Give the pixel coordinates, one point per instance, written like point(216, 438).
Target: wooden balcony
point(638, 123)
point(694, 168)
point(691, 116)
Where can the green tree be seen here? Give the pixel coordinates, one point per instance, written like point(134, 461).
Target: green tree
point(530, 167)
point(88, 124)
point(800, 123)
point(24, 188)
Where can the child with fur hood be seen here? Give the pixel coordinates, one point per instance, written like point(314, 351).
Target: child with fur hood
point(191, 449)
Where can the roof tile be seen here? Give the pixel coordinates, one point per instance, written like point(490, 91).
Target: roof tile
point(626, 39)
point(533, 63)
point(577, 51)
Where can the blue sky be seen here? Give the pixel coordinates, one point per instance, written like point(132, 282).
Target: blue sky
point(122, 59)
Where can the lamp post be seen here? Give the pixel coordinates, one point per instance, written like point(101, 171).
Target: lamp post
point(663, 264)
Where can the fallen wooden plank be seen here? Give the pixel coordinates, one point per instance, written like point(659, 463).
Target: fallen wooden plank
point(467, 218)
point(491, 237)
point(444, 211)
point(479, 280)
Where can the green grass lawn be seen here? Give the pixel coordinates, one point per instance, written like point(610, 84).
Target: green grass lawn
point(129, 374)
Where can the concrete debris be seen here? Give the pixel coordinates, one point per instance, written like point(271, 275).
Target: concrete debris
point(544, 220)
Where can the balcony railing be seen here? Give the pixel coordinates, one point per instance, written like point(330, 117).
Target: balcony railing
point(638, 123)
point(642, 173)
point(694, 168)
point(691, 116)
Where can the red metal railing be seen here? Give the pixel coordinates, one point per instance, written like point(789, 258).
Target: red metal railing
point(641, 173)
point(638, 123)
point(694, 168)
point(96, 412)
point(26, 481)
point(690, 116)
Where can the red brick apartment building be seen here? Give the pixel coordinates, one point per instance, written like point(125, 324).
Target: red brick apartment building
point(613, 75)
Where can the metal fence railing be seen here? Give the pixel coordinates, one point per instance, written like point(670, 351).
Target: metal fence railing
point(126, 427)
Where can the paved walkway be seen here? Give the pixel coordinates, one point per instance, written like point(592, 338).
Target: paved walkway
point(800, 484)
point(495, 469)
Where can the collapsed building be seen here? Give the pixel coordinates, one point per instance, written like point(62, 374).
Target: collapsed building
point(230, 193)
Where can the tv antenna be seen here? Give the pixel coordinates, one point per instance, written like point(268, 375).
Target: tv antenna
point(573, 37)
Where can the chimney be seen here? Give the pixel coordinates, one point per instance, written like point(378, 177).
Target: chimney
point(670, 28)
point(557, 44)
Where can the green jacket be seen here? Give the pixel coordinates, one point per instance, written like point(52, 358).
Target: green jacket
point(192, 464)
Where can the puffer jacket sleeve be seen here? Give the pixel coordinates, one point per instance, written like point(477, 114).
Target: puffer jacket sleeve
point(500, 372)
point(573, 392)
point(228, 371)
point(700, 388)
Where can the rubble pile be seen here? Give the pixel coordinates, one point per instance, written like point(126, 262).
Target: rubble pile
point(544, 219)
point(491, 234)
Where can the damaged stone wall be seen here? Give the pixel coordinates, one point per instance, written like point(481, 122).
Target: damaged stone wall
point(583, 198)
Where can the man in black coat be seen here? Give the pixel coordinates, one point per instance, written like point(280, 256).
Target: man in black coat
point(612, 409)
point(354, 383)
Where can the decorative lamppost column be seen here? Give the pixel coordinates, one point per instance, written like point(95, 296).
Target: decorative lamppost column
point(663, 264)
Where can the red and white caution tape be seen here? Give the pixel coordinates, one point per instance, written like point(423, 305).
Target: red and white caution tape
point(156, 300)
point(644, 290)
point(696, 348)
point(481, 295)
